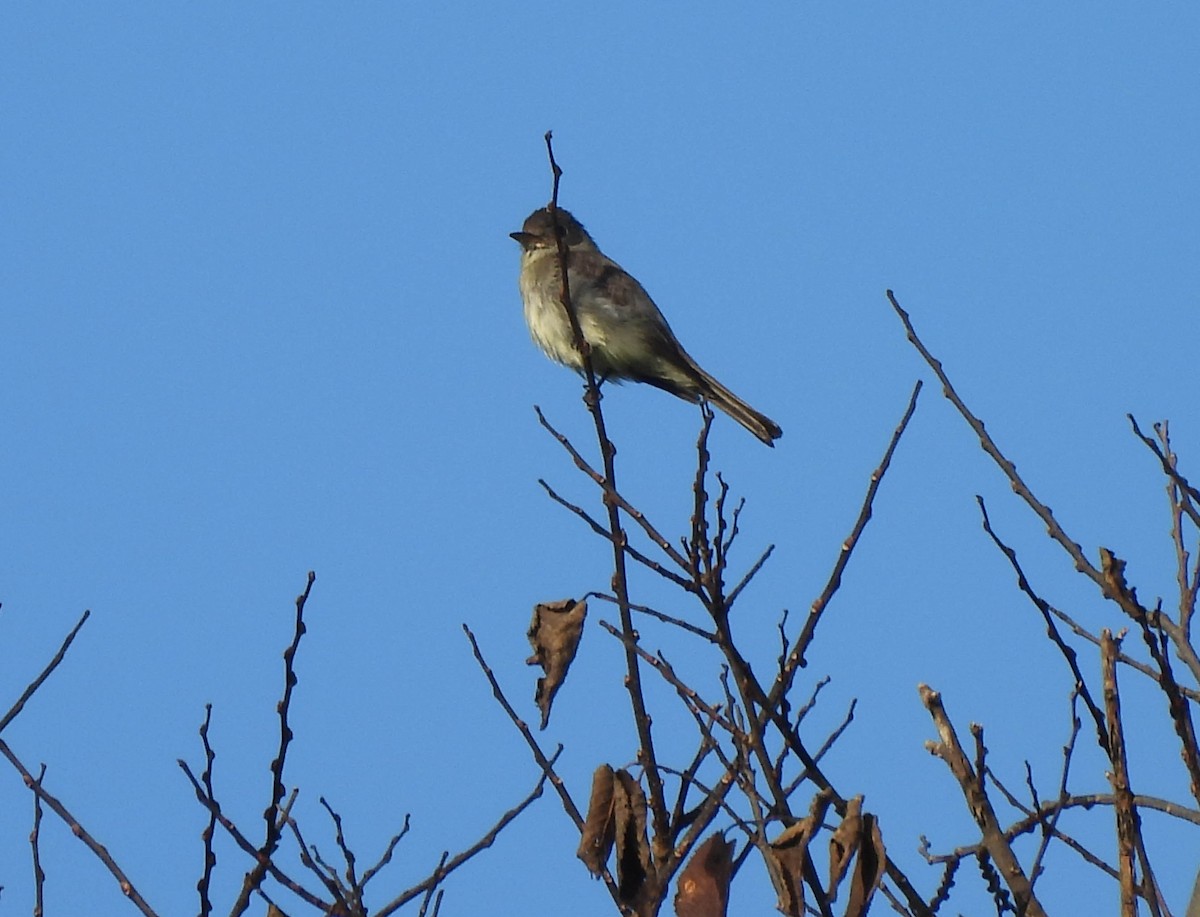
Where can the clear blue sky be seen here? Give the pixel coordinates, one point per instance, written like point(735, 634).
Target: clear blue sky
point(258, 315)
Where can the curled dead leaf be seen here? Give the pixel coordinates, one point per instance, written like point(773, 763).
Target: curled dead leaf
point(599, 829)
point(633, 846)
point(554, 634)
point(857, 838)
point(703, 888)
point(843, 844)
point(788, 854)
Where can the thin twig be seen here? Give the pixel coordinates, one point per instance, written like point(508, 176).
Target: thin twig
point(433, 890)
point(37, 682)
point(270, 842)
point(808, 631)
point(206, 777)
point(386, 856)
point(660, 844)
point(700, 632)
point(950, 750)
point(750, 574)
point(689, 695)
point(39, 875)
point(1050, 823)
point(1124, 598)
point(352, 883)
point(1068, 653)
point(1169, 469)
point(101, 853)
point(311, 860)
point(544, 762)
point(611, 497)
point(1128, 823)
point(244, 842)
point(600, 530)
point(447, 866)
point(1122, 657)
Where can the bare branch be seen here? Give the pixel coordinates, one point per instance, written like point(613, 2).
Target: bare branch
point(1168, 466)
point(45, 673)
point(1125, 599)
point(446, 866)
point(647, 756)
point(263, 856)
point(206, 776)
point(612, 497)
point(808, 631)
point(245, 844)
point(994, 842)
point(102, 854)
point(39, 875)
point(1128, 825)
point(1081, 688)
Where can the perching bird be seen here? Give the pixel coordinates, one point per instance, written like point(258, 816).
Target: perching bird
point(628, 336)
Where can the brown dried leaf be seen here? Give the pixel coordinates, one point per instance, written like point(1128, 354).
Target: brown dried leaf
point(872, 859)
point(844, 843)
point(633, 847)
point(789, 852)
point(703, 889)
point(597, 841)
point(554, 635)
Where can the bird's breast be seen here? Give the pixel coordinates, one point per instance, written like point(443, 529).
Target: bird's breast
point(544, 314)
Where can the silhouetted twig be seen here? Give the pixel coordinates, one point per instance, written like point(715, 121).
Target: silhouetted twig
point(447, 864)
point(206, 776)
point(808, 631)
point(39, 875)
point(950, 750)
point(17, 707)
point(1042, 606)
point(1168, 466)
point(244, 842)
point(647, 754)
point(101, 853)
point(1125, 599)
point(271, 820)
point(543, 761)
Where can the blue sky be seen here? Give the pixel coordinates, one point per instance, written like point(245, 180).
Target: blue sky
point(258, 315)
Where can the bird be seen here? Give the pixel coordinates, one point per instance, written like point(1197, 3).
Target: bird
point(628, 336)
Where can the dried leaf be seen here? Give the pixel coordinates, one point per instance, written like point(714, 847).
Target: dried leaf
point(554, 635)
point(843, 844)
point(597, 841)
point(872, 859)
point(789, 852)
point(703, 889)
point(633, 847)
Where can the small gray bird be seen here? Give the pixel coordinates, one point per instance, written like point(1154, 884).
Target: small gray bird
point(629, 337)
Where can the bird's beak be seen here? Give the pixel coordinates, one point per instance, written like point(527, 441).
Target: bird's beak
point(526, 239)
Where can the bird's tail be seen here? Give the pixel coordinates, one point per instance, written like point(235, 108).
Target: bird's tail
point(759, 424)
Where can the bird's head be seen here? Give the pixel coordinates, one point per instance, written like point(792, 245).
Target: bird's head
point(538, 231)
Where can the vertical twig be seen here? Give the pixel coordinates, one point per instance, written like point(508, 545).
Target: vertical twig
point(274, 828)
point(1127, 817)
point(101, 852)
point(950, 750)
point(210, 858)
point(39, 875)
point(661, 843)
